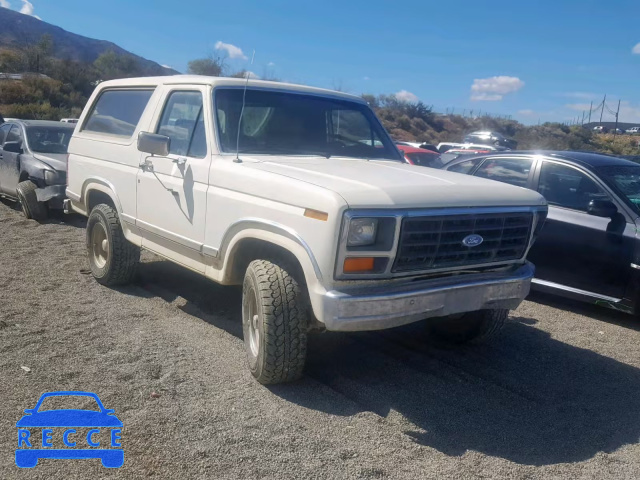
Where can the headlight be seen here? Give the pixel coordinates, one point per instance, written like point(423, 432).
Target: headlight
point(51, 177)
point(362, 231)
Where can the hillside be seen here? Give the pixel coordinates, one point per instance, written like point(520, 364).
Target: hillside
point(416, 122)
point(18, 31)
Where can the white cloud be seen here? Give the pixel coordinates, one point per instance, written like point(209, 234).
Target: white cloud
point(636, 49)
point(249, 74)
point(27, 9)
point(405, 96)
point(494, 88)
point(5, 4)
point(232, 50)
point(578, 106)
point(167, 66)
point(582, 95)
point(271, 64)
point(487, 97)
point(526, 112)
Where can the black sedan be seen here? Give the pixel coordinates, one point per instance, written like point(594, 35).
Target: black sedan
point(588, 248)
point(33, 164)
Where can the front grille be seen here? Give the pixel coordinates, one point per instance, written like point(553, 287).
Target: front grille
point(435, 242)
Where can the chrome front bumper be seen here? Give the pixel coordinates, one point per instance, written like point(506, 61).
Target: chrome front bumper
point(385, 307)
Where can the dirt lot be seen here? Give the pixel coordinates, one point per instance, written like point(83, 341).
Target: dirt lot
point(556, 396)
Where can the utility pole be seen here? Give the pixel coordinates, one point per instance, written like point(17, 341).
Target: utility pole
point(617, 112)
point(602, 111)
point(590, 108)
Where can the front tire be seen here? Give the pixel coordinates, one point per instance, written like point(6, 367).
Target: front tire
point(112, 258)
point(471, 327)
point(275, 315)
point(31, 207)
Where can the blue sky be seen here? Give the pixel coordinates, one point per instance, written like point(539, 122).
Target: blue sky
point(551, 58)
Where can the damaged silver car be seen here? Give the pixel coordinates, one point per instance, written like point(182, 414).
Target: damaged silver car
point(33, 164)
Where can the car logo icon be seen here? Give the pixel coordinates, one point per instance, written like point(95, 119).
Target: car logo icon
point(69, 433)
point(472, 240)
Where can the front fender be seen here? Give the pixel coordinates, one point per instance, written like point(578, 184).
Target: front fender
point(280, 236)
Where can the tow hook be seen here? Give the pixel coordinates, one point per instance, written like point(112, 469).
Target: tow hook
point(66, 206)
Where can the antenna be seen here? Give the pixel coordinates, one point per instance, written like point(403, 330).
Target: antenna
point(244, 96)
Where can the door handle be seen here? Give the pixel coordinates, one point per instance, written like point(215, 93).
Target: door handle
point(180, 161)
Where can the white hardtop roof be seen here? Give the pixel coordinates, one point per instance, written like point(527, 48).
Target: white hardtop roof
point(223, 81)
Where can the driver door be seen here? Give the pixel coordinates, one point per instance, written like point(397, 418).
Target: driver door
point(9, 162)
point(171, 190)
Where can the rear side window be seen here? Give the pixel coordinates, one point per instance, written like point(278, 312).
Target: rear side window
point(508, 170)
point(464, 167)
point(117, 112)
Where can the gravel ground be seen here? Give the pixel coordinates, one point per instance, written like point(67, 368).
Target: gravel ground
point(555, 396)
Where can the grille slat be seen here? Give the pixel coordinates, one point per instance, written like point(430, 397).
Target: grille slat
point(435, 242)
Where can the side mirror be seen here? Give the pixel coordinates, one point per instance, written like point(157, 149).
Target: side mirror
point(154, 144)
point(13, 147)
point(602, 208)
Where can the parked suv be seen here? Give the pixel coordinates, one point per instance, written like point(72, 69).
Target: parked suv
point(299, 195)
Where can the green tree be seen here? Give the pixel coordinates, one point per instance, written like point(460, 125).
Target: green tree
point(111, 65)
point(210, 66)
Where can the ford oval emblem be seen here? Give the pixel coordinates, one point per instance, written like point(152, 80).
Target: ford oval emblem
point(472, 240)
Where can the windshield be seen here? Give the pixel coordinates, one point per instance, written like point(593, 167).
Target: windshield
point(66, 402)
point(625, 179)
point(49, 139)
point(280, 123)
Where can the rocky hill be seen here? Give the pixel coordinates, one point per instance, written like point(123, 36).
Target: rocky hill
point(18, 30)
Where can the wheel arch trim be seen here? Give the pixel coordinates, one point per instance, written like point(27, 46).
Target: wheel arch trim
point(234, 234)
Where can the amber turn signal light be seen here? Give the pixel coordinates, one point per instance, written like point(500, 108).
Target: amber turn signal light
point(358, 264)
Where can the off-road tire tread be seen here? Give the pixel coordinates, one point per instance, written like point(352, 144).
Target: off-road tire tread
point(27, 193)
point(494, 321)
point(285, 318)
point(483, 326)
point(125, 255)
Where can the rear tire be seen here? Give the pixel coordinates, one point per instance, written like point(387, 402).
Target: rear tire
point(31, 207)
point(471, 327)
point(275, 315)
point(112, 258)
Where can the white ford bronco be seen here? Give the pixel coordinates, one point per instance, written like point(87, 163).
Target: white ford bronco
point(299, 195)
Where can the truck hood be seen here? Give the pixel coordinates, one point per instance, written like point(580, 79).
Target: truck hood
point(57, 161)
point(387, 184)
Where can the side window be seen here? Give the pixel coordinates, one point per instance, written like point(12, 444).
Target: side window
point(3, 132)
point(14, 135)
point(117, 112)
point(183, 121)
point(465, 167)
point(567, 187)
point(508, 170)
point(351, 126)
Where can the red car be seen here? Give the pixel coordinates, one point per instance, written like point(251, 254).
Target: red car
point(419, 156)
